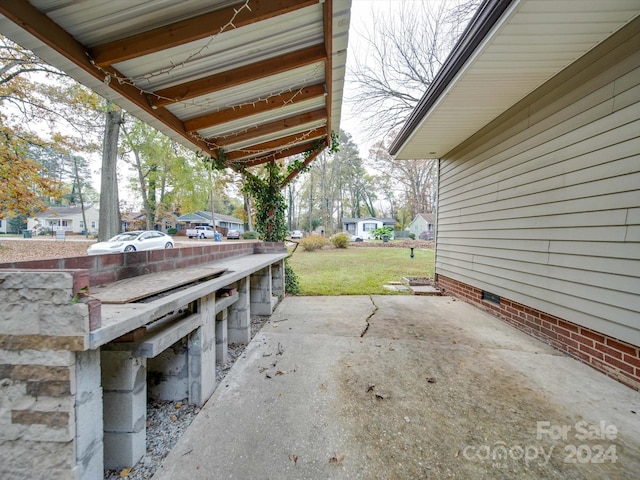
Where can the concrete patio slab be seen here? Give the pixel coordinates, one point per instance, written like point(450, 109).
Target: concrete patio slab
point(407, 387)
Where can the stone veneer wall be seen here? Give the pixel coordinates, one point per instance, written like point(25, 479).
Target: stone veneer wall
point(51, 419)
point(614, 357)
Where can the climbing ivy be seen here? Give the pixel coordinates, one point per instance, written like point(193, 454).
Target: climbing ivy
point(265, 186)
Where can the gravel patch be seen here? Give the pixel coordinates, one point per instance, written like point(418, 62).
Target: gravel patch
point(168, 420)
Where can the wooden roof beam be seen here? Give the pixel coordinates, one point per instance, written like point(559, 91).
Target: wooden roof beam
point(328, 65)
point(272, 127)
point(260, 106)
point(260, 149)
point(298, 149)
point(238, 76)
point(192, 29)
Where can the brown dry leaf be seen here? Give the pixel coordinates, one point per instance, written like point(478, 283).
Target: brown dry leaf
point(177, 406)
point(293, 458)
point(379, 396)
point(172, 418)
point(125, 472)
point(281, 372)
point(431, 380)
point(337, 459)
point(453, 342)
point(395, 338)
point(371, 387)
point(348, 365)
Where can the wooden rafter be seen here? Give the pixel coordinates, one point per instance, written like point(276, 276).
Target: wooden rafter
point(270, 128)
point(192, 29)
point(238, 76)
point(306, 162)
point(271, 103)
point(266, 148)
point(298, 149)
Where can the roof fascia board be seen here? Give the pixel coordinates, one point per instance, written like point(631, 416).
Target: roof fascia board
point(485, 19)
point(192, 29)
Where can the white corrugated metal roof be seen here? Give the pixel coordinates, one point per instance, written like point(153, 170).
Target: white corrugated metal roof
point(202, 71)
point(530, 42)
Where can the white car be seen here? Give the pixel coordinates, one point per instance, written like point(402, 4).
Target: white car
point(135, 241)
point(296, 234)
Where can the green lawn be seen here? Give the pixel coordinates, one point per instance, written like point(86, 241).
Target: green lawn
point(357, 270)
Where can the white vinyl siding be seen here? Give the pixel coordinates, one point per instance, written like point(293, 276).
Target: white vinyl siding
point(543, 206)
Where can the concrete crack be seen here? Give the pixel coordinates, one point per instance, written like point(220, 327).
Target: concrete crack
point(375, 309)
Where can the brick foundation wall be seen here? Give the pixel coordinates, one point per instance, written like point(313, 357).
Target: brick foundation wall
point(615, 358)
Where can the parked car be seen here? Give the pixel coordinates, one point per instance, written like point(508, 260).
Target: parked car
point(233, 235)
point(426, 236)
point(135, 241)
point(201, 231)
point(355, 238)
point(296, 234)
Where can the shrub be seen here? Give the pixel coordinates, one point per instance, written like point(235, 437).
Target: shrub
point(412, 236)
point(341, 240)
point(291, 281)
point(172, 231)
point(314, 242)
point(249, 235)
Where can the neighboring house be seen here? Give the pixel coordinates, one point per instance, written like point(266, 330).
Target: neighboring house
point(536, 127)
point(3, 225)
point(223, 223)
point(362, 227)
point(422, 223)
point(68, 219)
point(138, 221)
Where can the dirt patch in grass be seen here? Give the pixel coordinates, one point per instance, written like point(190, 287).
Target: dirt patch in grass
point(41, 249)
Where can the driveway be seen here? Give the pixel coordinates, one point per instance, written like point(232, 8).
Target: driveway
point(407, 387)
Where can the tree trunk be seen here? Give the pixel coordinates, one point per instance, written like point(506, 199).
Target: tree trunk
point(110, 224)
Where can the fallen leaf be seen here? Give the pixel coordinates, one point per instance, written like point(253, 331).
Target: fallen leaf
point(172, 418)
point(457, 453)
point(262, 369)
point(453, 342)
point(177, 406)
point(267, 375)
point(293, 458)
point(395, 338)
point(391, 349)
point(379, 397)
point(371, 387)
point(348, 365)
point(281, 372)
point(431, 380)
point(125, 472)
point(337, 459)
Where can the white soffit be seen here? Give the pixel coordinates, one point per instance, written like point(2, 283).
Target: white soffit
point(532, 42)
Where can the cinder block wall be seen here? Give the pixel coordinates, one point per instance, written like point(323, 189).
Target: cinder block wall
point(612, 356)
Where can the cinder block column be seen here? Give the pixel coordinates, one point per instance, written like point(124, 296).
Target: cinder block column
point(50, 396)
point(239, 318)
point(89, 422)
point(124, 382)
point(222, 353)
point(202, 353)
point(261, 301)
point(168, 373)
point(277, 279)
